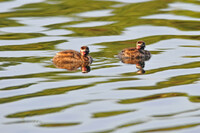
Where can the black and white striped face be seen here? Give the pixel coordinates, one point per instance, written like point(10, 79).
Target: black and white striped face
point(84, 50)
point(140, 45)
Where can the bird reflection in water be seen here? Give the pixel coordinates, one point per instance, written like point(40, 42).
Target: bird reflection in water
point(73, 66)
point(140, 63)
point(72, 60)
point(135, 55)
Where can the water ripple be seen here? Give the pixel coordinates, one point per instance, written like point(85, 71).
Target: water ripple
point(36, 96)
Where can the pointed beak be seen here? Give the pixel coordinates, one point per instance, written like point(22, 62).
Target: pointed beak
point(84, 52)
point(138, 47)
point(84, 70)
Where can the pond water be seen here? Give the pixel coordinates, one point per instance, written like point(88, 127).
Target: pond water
point(37, 96)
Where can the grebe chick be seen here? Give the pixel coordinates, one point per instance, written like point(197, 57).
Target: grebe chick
point(137, 52)
point(68, 56)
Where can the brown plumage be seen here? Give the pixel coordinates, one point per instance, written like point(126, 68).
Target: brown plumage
point(69, 56)
point(135, 52)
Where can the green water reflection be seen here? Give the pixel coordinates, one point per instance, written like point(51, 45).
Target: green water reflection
point(111, 37)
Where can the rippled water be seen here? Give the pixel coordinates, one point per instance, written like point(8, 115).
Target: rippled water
point(36, 96)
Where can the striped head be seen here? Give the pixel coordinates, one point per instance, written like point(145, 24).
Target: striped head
point(140, 45)
point(84, 50)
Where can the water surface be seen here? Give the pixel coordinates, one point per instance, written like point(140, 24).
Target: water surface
point(36, 96)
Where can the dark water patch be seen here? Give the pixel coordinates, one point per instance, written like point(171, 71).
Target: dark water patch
point(47, 92)
point(95, 31)
point(184, 66)
point(17, 87)
point(152, 97)
point(173, 81)
point(195, 99)
point(121, 127)
point(30, 59)
point(56, 91)
point(16, 36)
point(172, 128)
point(7, 22)
point(7, 64)
point(49, 75)
point(35, 46)
point(109, 114)
point(191, 46)
point(61, 8)
point(186, 13)
point(191, 56)
point(58, 124)
point(175, 114)
point(21, 122)
point(32, 113)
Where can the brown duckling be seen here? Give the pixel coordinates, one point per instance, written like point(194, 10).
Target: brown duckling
point(69, 56)
point(136, 53)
